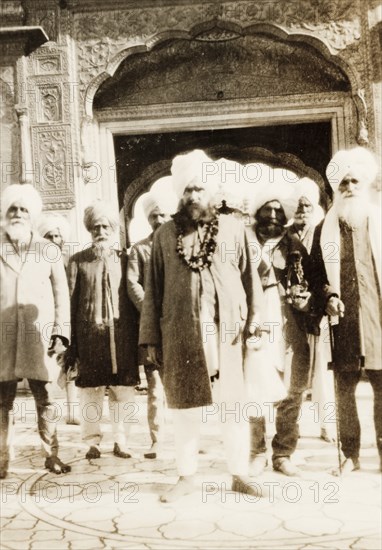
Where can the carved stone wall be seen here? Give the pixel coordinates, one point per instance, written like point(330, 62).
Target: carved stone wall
point(10, 136)
point(336, 28)
point(199, 70)
point(54, 87)
point(50, 100)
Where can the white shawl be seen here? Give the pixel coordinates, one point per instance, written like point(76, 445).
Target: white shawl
point(331, 245)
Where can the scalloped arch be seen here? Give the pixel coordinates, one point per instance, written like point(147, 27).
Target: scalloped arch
point(195, 33)
point(161, 168)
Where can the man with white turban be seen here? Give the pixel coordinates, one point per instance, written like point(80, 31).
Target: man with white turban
point(277, 255)
point(34, 313)
point(104, 332)
point(201, 295)
point(55, 228)
point(157, 209)
point(307, 216)
point(347, 259)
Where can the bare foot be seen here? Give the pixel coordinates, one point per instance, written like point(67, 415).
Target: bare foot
point(349, 465)
point(184, 486)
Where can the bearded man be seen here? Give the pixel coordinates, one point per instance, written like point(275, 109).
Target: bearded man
point(201, 294)
point(285, 326)
point(347, 260)
point(104, 332)
point(307, 216)
point(34, 313)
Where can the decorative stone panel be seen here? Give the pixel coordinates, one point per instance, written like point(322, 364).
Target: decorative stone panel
point(53, 168)
point(49, 104)
point(336, 28)
point(48, 64)
point(50, 98)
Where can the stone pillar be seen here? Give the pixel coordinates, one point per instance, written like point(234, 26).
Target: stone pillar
point(26, 173)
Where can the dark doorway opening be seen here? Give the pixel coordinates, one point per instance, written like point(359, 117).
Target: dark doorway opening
point(309, 142)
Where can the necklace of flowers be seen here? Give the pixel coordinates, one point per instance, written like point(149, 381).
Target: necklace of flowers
point(203, 259)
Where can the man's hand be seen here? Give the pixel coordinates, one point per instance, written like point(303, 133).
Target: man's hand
point(252, 333)
point(58, 344)
point(335, 307)
point(154, 355)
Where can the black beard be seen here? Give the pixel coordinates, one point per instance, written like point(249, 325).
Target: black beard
point(269, 230)
point(188, 215)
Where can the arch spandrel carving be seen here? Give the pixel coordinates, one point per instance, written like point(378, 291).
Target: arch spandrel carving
point(104, 65)
point(183, 70)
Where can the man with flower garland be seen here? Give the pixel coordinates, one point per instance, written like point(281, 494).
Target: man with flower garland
point(201, 299)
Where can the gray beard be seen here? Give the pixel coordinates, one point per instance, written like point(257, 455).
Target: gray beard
point(352, 210)
point(19, 232)
point(102, 249)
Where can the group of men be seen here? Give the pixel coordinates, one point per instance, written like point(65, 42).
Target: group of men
point(216, 307)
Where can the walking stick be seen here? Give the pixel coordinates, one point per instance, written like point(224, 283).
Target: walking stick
point(331, 366)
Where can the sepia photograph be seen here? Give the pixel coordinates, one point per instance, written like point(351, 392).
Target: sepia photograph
point(190, 271)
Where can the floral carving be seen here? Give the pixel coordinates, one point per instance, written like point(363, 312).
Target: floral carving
point(54, 178)
point(49, 65)
point(50, 104)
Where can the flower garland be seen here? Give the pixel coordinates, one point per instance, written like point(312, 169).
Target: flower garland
point(203, 259)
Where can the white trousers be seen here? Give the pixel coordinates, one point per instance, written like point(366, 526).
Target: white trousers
point(121, 409)
point(235, 432)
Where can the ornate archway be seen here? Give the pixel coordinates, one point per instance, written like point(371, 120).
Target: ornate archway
point(221, 77)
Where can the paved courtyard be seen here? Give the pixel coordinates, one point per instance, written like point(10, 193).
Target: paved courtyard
point(113, 503)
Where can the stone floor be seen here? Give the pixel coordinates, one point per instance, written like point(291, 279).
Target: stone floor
point(113, 503)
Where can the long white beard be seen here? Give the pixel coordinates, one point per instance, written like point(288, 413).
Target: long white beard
point(102, 249)
point(19, 232)
point(352, 210)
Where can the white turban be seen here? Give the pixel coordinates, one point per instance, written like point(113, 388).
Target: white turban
point(100, 209)
point(309, 189)
point(26, 195)
point(194, 167)
point(160, 196)
point(50, 221)
point(279, 189)
point(358, 160)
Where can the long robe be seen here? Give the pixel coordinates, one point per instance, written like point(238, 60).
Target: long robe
point(104, 324)
point(171, 314)
point(34, 306)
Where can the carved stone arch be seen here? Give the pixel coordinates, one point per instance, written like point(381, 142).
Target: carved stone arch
point(143, 183)
point(216, 31)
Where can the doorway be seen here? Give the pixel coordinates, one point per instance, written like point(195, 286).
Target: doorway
point(142, 159)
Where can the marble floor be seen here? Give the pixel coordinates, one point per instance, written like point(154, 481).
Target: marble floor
point(113, 503)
